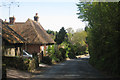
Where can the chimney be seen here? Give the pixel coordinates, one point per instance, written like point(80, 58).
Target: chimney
point(12, 20)
point(36, 17)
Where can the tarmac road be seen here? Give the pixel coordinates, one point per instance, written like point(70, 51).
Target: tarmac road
point(74, 68)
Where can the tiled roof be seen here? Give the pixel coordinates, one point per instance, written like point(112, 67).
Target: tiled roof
point(32, 32)
point(10, 35)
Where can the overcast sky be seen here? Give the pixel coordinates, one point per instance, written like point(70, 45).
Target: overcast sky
point(53, 14)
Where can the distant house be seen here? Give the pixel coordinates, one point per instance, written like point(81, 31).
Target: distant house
point(11, 41)
point(35, 35)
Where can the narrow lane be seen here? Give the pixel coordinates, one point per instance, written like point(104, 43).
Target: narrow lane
point(74, 68)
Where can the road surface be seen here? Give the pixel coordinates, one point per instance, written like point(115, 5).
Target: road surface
point(74, 68)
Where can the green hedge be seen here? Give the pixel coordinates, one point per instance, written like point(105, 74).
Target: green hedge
point(20, 63)
point(63, 53)
point(103, 34)
point(47, 60)
point(15, 62)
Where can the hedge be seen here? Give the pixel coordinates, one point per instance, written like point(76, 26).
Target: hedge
point(20, 63)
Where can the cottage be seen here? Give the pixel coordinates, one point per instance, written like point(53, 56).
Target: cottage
point(11, 41)
point(34, 34)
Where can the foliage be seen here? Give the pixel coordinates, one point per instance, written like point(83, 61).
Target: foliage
point(79, 38)
point(47, 60)
point(72, 51)
point(19, 63)
point(70, 33)
point(60, 36)
point(13, 62)
point(54, 53)
point(35, 58)
point(69, 44)
point(32, 64)
point(53, 50)
point(77, 41)
point(63, 53)
point(70, 30)
point(69, 49)
point(51, 33)
point(66, 48)
point(103, 33)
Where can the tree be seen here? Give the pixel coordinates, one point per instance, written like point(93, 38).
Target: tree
point(79, 30)
point(61, 36)
point(79, 41)
point(70, 33)
point(70, 30)
point(79, 38)
point(103, 33)
point(51, 33)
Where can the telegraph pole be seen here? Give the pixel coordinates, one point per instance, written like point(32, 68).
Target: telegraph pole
point(9, 5)
point(9, 9)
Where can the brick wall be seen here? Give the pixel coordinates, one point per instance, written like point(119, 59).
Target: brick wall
point(33, 48)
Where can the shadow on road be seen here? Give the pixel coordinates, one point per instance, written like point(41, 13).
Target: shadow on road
point(73, 69)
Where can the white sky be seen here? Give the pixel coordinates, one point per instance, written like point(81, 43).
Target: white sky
point(53, 14)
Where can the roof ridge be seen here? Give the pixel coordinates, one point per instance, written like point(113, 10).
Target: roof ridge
point(35, 30)
point(42, 30)
point(46, 40)
point(45, 32)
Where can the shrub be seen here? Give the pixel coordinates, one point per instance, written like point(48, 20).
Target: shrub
point(47, 60)
point(15, 62)
point(20, 63)
point(63, 53)
point(71, 55)
point(35, 59)
point(32, 65)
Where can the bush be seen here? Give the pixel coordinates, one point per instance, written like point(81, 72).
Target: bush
point(35, 60)
point(72, 52)
point(20, 63)
point(55, 54)
point(15, 62)
point(103, 35)
point(47, 60)
point(63, 53)
point(71, 55)
point(32, 65)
